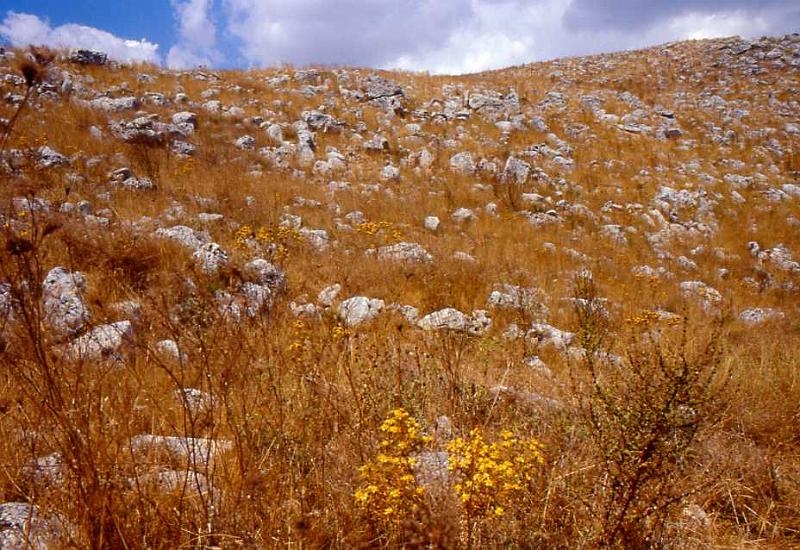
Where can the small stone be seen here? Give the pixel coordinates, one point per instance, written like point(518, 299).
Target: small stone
point(328, 294)
point(431, 223)
point(168, 349)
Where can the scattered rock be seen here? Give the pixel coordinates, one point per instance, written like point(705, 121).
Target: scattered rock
point(102, 341)
point(88, 57)
point(431, 223)
point(64, 307)
point(23, 526)
point(404, 252)
point(210, 258)
point(359, 309)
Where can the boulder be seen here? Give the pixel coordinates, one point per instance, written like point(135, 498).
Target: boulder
point(115, 105)
point(102, 341)
point(23, 526)
point(452, 319)
point(404, 252)
point(88, 57)
point(547, 335)
point(210, 258)
point(328, 294)
point(462, 163)
point(359, 309)
point(516, 171)
point(64, 306)
point(186, 236)
point(431, 223)
point(261, 272)
point(195, 450)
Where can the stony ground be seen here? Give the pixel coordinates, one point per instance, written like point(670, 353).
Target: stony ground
point(215, 287)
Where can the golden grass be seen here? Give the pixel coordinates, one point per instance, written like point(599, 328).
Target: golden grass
point(301, 401)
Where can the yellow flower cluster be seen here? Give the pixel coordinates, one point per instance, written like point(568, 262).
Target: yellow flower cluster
point(339, 332)
point(279, 237)
point(648, 318)
point(184, 168)
point(491, 476)
point(649, 278)
point(386, 229)
point(300, 340)
point(389, 492)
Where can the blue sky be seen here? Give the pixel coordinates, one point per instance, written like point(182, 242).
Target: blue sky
point(151, 19)
point(441, 36)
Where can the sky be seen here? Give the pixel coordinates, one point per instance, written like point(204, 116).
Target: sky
point(438, 36)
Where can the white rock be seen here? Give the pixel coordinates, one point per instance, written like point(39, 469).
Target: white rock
point(709, 297)
point(447, 318)
point(514, 297)
point(64, 307)
point(22, 526)
point(102, 341)
point(258, 298)
point(210, 258)
point(261, 272)
point(390, 173)
point(462, 162)
point(317, 238)
point(328, 294)
point(168, 349)
point(431, 469)
point(547, 335)
point(359, 309)
point(197, 450)
point(463, 214)
point(431, 223)
point(184, 235)
point(755, 315)
point(516, 171)
point(404, 252)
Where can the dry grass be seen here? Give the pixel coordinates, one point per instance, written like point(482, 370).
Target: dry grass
point(300, 401)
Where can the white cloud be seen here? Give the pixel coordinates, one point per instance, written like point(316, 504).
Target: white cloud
point(501, 33)
point(197, 35)
point(351, 32)
point(697, 26)
point(22, 29)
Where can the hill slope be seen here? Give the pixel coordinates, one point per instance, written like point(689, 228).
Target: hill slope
point(270, 307)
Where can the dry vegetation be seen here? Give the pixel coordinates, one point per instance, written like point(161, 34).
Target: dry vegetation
point(665, 415)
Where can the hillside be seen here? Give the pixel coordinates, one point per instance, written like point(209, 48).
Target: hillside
point(550, 306)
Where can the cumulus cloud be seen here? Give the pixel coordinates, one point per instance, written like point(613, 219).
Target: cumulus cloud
point(22, 29)
point(458, 36)
point(635, 15)
point(352, 32)
point(197, 35)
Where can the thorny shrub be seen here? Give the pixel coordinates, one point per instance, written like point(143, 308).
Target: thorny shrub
point(644, 414)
